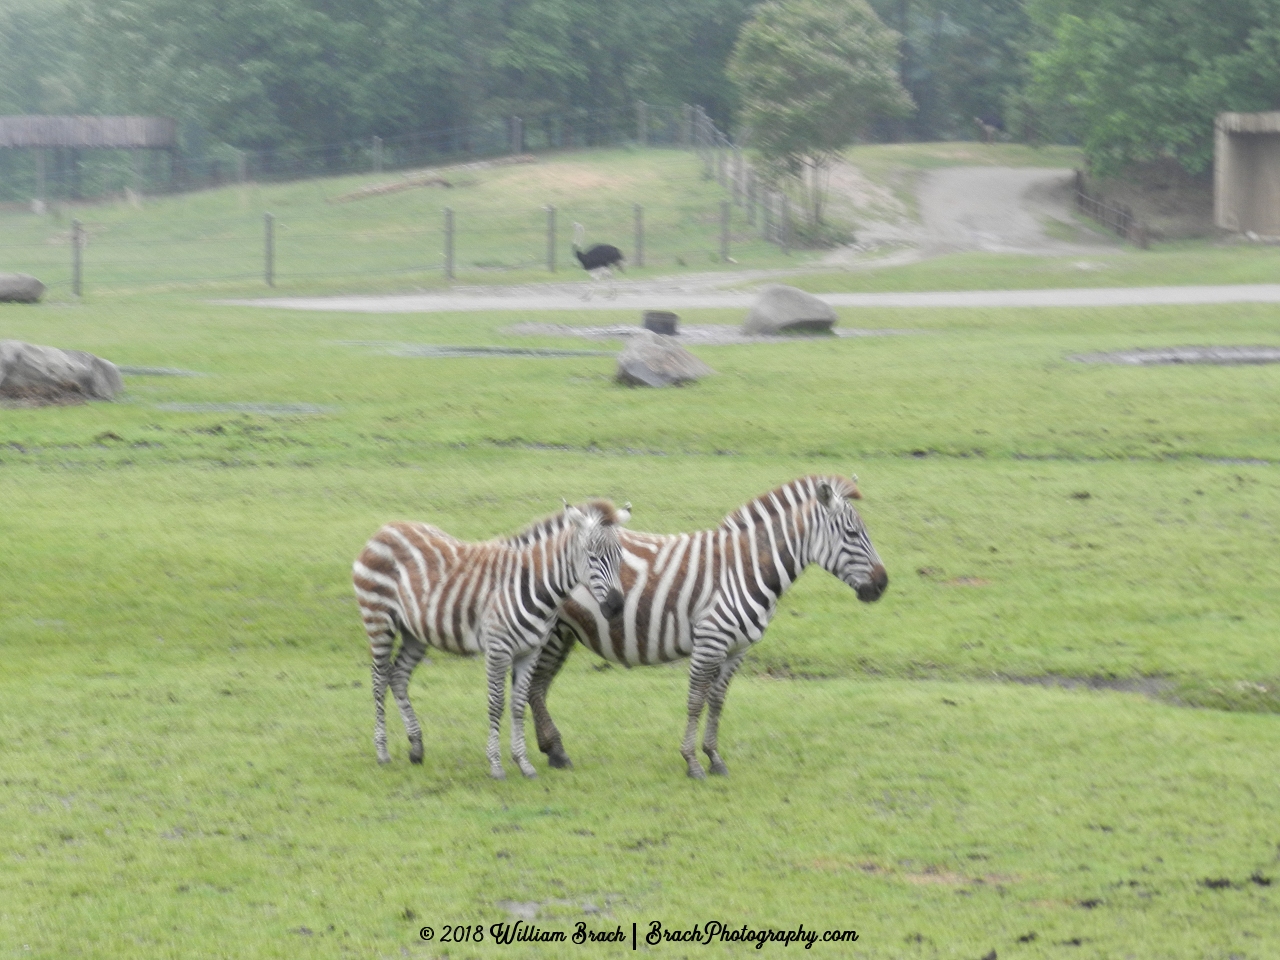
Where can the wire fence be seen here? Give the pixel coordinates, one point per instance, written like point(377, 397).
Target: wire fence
point(697, 204)
point(1118, 218)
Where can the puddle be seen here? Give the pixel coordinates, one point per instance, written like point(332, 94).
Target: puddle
point(157, 372)
point(266, 409)
point(1154, 356)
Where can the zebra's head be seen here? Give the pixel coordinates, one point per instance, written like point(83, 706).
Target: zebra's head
point(599, 553)
point(842, 544)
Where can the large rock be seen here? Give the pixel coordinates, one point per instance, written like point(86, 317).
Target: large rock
point(783, 309)
point(50, 375)
point(20, 288)
point(652, 360)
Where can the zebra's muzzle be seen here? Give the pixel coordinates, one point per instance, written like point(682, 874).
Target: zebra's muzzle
point(874, 588)
point(612, 605)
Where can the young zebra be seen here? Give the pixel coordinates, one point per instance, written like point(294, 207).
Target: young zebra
point(710, 595)
point(499, 597)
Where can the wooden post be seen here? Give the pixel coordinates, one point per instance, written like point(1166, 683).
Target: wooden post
point(737, 176)
point(551, 239)
point(724, 231)
point(77, 254)
point(377, 154)
point(269, 248)
point(686, 126)
point(517, 135)
point(40, 158)
point(786, 224)
point(639, 215)
point(642, 123)
point(448, 243)
point(751, 196)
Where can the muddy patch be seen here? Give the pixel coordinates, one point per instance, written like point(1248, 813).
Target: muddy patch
point(708, 335)
point(1154, 687)
point(1156, 356)
point(158, 372)
point(266, 409)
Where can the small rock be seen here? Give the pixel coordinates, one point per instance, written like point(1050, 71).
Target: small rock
point(20, 288)
point(783, 309)
point(49, 375)
point(661, 321)
point(652, 360)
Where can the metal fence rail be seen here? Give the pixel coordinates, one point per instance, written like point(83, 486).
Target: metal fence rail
point(1117, 218)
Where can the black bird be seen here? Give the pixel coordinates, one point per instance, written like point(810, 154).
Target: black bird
point(598, 260)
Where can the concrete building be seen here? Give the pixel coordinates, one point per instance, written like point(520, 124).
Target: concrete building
point(1246, 172)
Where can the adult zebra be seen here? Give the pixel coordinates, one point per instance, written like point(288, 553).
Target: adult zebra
point(499, 597)
point(710, 595)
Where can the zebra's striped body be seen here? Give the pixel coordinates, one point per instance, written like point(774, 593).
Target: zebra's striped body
point(710, 595)
point(499, 598)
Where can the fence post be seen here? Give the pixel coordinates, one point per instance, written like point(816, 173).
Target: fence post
point(377, 154)
point(751, 196)
point(551, 239)
point(639, 214)
point(786, 224)
point(724, 230)
point(642, 123)
point(269, 249)
point(686, 126)
point(448, 243)
point(737, 176)
point(77, 248)
point(517, 135)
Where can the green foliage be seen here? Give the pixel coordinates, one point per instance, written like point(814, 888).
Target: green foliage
point(1139, 80)
point(961, 59)
point(811, 76)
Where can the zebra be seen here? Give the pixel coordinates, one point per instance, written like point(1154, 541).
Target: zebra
point(499, 597)
point(710, 595)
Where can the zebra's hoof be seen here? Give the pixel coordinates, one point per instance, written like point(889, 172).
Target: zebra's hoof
point(384, 760)
point(529, 772)
point(696, 772)
point(559, 759)
point(719, 769)
point(416, 757)
point(497, 773)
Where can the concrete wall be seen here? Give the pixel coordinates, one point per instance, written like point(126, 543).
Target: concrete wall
point(1246, 189)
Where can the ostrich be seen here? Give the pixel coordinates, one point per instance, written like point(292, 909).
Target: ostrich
point(599, 260)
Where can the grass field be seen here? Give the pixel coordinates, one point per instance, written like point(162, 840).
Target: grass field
point(1055, 736)
point(213, 240)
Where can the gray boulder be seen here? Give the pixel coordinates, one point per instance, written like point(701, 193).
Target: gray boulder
point(783, 309)
point(661, 321)
point(652, 360)
point(20, 288)
point(50, 375)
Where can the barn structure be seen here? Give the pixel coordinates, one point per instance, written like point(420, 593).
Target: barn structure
point(1246, 172)
point(63, 138)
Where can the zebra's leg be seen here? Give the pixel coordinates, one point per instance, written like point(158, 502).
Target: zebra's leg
point(550, 660)
point(703, 669)
point(381, 641)
point(521, 674)
point(497, 661)
point(710, 735)
point(412, 650)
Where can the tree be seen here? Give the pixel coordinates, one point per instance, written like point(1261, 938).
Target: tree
point(811, 75)
point(1138, 80)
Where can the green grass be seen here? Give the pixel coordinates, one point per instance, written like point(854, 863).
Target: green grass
point(185, 727)
point(1173, 264)
point(213, 240)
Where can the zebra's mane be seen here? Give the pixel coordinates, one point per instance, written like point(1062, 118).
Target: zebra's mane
point(805, 488)
point(555, 523)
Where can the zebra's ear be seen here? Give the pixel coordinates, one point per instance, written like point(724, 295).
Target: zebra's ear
point(624, 514)
point(578, 518)
point(857, 494)
point(825, 494)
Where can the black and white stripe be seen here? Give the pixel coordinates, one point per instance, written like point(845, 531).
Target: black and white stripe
point(710, 595)
point(499, 598)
